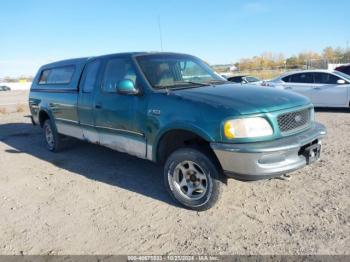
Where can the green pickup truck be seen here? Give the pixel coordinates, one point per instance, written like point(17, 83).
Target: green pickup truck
point(173, 109)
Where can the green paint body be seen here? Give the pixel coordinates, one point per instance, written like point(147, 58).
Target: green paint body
point(149, 114)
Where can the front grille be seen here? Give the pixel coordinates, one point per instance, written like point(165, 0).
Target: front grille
point(293, 121)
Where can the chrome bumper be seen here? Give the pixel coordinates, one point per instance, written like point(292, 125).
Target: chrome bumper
point(252, 161)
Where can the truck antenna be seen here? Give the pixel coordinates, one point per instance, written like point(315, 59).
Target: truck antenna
point(160, 34)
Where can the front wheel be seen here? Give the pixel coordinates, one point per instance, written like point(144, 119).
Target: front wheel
point(192, 178)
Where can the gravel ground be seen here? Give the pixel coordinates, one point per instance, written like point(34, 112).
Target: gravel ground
point(91, 200)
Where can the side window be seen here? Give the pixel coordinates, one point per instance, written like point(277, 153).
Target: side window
point(59, 75)
point(286, 79)
point(116, 70)
point(91, 73)
point(325, 78)
point(302, 78)
point(43, 77)
point(237, 79)
point(332, 79)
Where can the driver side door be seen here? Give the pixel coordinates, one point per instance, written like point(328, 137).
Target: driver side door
point(117, 115)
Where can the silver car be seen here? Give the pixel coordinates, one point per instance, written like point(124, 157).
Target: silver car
point(325, 88)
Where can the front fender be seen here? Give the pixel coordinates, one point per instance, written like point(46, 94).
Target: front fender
point(180, 126)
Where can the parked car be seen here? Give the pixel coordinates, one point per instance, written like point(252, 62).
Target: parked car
point(325, 88)
point(244, 79)
point(344, 69)
point(174, 110)
point(5, 88)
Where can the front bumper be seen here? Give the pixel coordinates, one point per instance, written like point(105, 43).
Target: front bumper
point(253, 161)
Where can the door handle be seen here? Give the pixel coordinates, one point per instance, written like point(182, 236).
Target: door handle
point(317, 88)
point(288, 87)
point(98, 106)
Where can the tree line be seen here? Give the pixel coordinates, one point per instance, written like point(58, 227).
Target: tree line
point(269, 60)
point(9, 79)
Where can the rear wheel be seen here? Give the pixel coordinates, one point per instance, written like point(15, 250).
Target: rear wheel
point(192, 178)
point(52, 138)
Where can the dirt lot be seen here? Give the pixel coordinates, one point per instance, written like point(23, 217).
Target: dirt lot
point(91, 200)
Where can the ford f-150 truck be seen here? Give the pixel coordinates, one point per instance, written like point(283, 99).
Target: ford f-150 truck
point(173, 109)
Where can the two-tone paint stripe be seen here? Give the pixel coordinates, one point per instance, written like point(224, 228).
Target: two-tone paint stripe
point(103, 127)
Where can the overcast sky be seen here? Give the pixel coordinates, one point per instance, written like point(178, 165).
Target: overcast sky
point(221, 31)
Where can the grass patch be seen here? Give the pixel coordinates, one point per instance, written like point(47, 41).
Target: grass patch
point(21, 108)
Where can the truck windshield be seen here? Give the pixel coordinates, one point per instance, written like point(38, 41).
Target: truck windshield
point(173, 71)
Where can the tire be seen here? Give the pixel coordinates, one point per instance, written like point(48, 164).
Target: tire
point(192, 178)
point(51, 137)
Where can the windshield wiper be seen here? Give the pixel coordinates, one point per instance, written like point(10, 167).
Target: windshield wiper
point(218, 81)
point(191, 82)
point(182, 85)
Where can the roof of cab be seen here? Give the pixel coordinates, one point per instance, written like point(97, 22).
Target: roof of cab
point(83, 60)
point(67, 62)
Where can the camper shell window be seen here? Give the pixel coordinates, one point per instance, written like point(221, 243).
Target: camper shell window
point(57, 76)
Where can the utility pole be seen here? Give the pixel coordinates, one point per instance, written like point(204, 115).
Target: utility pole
point(160, 34)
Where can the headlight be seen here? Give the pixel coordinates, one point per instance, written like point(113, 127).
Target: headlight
point(247, 127)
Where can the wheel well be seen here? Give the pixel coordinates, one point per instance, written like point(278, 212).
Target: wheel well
point(43, 116)
point(176, 139)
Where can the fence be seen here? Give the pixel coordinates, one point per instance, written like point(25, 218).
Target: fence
point(326, 63)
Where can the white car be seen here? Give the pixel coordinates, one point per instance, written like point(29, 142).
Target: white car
point(325, 88)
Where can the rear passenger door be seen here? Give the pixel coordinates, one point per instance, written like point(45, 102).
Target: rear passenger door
point(301, 83)
point(117, 116)
point(328, 92)
point(86, 107)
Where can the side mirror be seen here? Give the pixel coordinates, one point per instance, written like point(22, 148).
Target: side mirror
point(127, 87)
point(341, 82)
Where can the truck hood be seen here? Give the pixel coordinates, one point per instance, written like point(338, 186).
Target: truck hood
point(246, 99)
